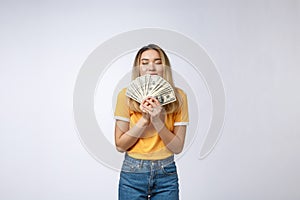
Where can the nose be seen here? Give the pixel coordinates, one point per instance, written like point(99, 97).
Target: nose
point(151, 66)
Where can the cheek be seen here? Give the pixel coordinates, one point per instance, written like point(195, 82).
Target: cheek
point(143, 69)
point(160, 70)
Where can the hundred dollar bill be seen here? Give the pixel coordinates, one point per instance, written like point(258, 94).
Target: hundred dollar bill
point(151, 86)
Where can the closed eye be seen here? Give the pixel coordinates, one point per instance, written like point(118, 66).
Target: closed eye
point(145, 61)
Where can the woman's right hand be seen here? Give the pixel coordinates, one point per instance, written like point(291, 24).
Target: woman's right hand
point(145, 114)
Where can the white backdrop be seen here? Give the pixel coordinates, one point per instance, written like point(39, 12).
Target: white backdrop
point(254, 44)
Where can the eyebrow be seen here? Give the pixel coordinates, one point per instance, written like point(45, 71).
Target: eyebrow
point(146, 59)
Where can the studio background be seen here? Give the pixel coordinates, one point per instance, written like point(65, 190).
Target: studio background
point(255, 46)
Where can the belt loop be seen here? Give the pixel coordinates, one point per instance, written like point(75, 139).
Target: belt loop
point(141, 163)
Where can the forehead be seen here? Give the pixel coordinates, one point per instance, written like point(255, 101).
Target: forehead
point(150, 54)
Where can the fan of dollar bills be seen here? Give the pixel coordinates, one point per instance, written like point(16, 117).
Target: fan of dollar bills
point(151, 86)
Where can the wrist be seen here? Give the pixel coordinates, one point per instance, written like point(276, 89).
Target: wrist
point(158, 125)
point(143, 122)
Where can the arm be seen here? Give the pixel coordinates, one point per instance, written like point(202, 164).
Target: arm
point(174, 141)
point(125, 137)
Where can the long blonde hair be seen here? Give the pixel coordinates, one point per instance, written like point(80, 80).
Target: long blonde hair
point(167, 75)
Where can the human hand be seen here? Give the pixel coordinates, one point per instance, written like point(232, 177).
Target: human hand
point(145, 115)
point(152, 106)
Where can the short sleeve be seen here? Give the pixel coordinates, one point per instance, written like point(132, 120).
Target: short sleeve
point(122, 109)
point(182, 115)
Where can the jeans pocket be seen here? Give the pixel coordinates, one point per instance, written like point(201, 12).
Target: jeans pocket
point(169, 169)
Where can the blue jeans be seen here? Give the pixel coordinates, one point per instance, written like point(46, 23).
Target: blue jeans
point(146, 179)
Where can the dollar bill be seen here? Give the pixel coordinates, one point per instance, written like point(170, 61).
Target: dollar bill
point(151, 86)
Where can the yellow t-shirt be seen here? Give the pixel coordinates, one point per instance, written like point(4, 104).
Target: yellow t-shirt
point(150, 147)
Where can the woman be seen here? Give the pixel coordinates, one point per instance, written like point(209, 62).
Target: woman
point(150, 134)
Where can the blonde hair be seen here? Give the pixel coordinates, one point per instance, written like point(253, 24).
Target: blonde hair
point(167, 75)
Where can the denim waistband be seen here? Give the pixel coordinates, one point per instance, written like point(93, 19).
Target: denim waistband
point(145, 165)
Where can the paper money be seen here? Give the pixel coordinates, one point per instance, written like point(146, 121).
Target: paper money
point(151, 86)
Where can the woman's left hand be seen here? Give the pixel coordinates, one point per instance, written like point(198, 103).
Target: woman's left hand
point(154, 109)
